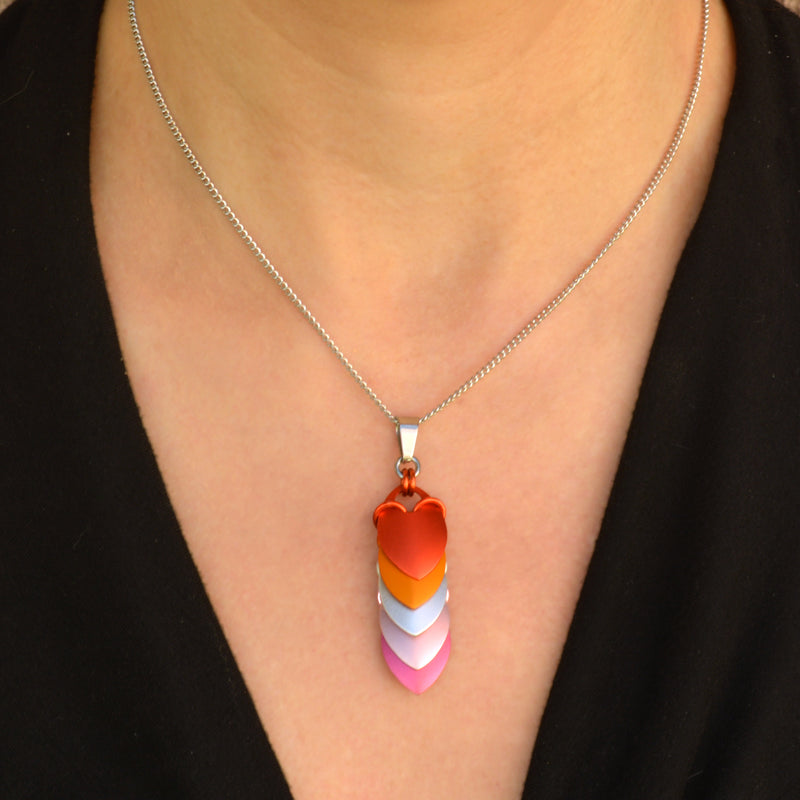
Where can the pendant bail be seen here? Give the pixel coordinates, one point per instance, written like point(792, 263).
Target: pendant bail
point(407, 428)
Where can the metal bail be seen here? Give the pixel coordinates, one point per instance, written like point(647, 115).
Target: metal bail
point(407, 434)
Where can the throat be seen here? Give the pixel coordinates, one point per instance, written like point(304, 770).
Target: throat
point(417, 102)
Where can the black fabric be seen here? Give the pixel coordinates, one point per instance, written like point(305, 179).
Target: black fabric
point(681, 673)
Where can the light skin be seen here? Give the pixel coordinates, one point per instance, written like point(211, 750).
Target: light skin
point(427, 175)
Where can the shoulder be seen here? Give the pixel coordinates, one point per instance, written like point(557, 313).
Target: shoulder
point(47, 248)
point(11, 19)
point(758, 167)
point(15, 62)
point(43, 45)
point(47, 56)
point(768, 48)
point(775, 18)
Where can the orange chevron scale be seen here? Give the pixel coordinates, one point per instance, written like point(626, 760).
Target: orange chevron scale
point(410, 592)
point(412, 565)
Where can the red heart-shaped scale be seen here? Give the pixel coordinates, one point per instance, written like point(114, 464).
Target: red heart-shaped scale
point(414, 541)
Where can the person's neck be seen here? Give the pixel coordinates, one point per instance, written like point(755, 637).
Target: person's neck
point(428, 120)
point(422, 97)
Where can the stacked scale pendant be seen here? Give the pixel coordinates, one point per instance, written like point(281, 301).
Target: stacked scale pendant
point(412, 582)
point(412, 586)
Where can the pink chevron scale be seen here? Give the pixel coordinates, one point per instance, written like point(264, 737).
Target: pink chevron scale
point(417, 680)
point(412, 587)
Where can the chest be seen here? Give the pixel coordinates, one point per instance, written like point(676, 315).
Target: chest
point(274, 461)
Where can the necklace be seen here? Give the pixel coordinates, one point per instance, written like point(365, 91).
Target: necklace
point(412, 580)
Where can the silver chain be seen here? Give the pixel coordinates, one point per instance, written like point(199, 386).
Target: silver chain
point(515, 341)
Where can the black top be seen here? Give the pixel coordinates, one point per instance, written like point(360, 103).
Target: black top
point(681, 673)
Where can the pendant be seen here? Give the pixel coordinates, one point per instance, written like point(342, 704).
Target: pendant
point(412, 580)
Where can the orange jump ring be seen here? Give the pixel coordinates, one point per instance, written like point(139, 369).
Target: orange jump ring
point(409, 481)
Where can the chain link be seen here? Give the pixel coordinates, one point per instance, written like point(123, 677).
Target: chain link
point(524, 332)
